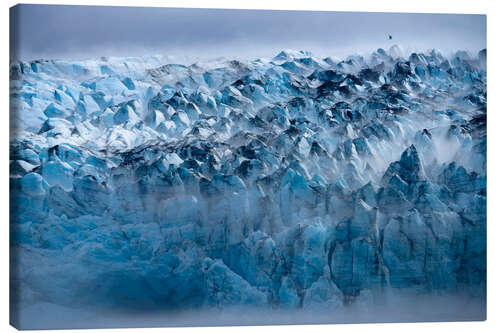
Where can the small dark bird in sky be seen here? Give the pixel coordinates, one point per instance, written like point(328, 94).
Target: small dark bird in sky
point(390, 36)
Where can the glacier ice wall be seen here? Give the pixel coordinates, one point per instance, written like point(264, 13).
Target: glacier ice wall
point(291, 184)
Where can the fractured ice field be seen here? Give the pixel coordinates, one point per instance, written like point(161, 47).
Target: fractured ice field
point(318, 187)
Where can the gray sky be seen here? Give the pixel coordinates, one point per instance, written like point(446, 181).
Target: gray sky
point(78, 32)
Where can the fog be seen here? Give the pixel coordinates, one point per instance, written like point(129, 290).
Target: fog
point(388, 306)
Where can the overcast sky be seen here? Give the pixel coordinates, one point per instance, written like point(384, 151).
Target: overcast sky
point(78, 32)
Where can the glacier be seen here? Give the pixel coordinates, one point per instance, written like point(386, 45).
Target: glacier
point(315, 189)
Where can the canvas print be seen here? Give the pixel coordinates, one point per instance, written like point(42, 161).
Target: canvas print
point(199, 167)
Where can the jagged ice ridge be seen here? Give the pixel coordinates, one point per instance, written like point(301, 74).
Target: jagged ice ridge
point(287, 183)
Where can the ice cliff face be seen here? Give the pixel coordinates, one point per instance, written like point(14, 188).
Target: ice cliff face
point(291, 183)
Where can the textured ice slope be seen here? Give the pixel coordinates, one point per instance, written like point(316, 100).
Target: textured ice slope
point(287, 183)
